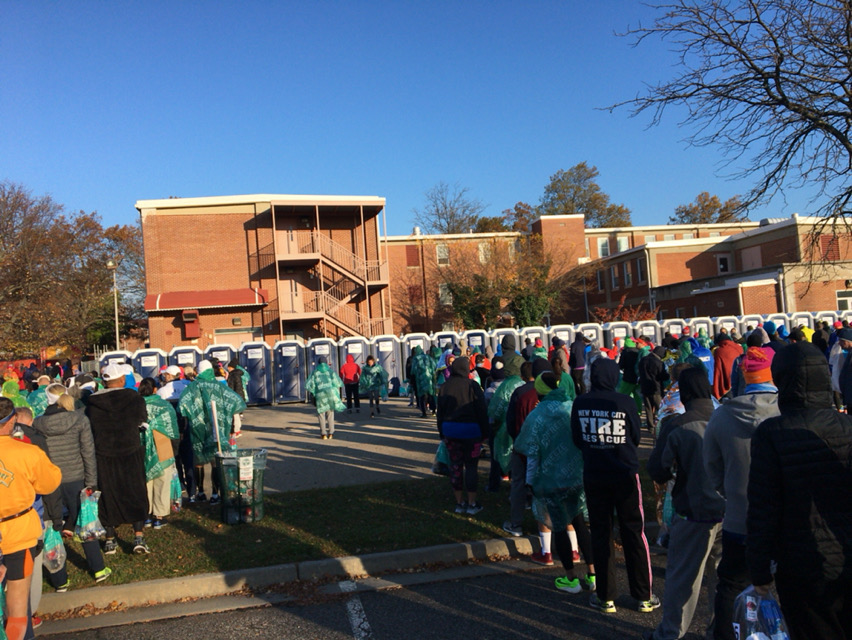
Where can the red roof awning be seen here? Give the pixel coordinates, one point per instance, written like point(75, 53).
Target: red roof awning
point(179, 300)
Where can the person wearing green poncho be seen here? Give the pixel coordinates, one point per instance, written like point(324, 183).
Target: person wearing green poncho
point(195, 405)
point(325, 385)
point(499, 405)
point(13, 392)
point(159, 454)
point(37, 398)
point(374, 382)
point(423, 372)
point(555, 473)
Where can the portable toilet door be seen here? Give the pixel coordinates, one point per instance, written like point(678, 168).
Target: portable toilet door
point(593, 331)
point(701, 322)
point(183, 356)
point(753, 320)
point(564, 332)
point(386, 350)
point(673, 326)
point(412, 340)
point(649, 330)
point(356, 346)
point(224, 353)
point(476, 339)
point(826, 316)
point(288, 357)
point(497, 336)
point(800, 318)
point(446, 340)
point(533, 333)
point(728, 323)
point(780, 320)
point(845, 315)
point(615, 332)
point(114, 357)
point(256, 359)
point(322, 348)
point(148, 362)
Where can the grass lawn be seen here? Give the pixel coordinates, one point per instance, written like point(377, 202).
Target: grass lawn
point(309, 525)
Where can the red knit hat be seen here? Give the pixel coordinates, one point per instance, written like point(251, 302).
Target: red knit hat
point(756, 365)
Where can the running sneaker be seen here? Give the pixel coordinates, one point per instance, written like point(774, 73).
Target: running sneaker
point(159, 523)
point(139, 546)
point(512, 530)
point(461, 507)
point(148, 523)
point(201, 497)
point(544, 559)
point(588, 582)
point(37, 622)
point(63, 587)
point(110, 546)
point(473, 509)
point(569, 585)
point(103, 574)
point(647, 606)
point(238, 434)
point(214, 498)
point(372, 415)
point(604, 606)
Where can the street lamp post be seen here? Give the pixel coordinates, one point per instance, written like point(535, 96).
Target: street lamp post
point(112, 266)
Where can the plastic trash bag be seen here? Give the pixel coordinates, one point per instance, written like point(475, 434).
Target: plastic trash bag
point(89, 526)
point(441, 464)
point(176, 493)
point(54, 550)
point(758, 617)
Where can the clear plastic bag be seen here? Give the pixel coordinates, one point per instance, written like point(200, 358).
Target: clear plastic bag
point(758, 617)
point(54, 550)
point(441, 464)
point(89, 526)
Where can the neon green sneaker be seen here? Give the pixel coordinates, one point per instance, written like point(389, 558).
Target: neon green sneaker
point(571, 586)
point(589, 583)
point(604, 606)
point(103, 574)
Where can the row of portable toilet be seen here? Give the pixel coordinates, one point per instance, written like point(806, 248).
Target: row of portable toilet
point(278, 374)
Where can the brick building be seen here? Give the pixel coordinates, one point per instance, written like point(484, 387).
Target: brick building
point(263, 267)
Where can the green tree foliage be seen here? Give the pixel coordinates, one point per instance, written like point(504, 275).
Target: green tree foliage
point(476, 303)
point(54, 285)
point(576, 191)
point(708, 209)
point(448, 209)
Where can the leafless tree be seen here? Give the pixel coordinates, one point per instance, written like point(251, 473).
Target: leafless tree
point(448, 209)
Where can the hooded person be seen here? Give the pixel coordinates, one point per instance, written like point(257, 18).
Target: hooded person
point(374, 383)
point(727, 458)
point(695, 532)
point(538, 349)
point(462, 425)
point(628, 362)
point(511, 360)
point(498, 405)
point(652, 380)
point(12, 391)
point(350, 373)
point(723, 363)
point(37, 398)
point(605, 426)
point(423, 374)
point(209, 407)
point(324, 385)
point(703, 339)
point(159, 453)
point(698, 356)
point(800, 499)
point(117, 416)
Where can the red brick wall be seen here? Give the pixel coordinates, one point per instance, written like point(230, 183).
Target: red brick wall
point(760, 299)
point(707, 304)
point(683, 266)
point(817, 296)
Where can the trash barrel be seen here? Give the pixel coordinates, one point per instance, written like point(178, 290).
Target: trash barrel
point(240, 476)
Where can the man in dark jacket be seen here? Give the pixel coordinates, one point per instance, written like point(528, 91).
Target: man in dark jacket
point(577, 361)
point(117, 416)
point(606, 428)
point(695, 533)
point(237, 384)
point(652, 380)
point(627, 362)
point(511, 360)
point(800, 499)
point(462, 424)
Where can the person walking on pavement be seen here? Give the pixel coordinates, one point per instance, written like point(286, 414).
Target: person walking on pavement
point(350, 372)
point(423, 375)
point(695, 532)
point(374, 383)
point(324, 385)
point(606, 427)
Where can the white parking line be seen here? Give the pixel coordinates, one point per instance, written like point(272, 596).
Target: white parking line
point(357, 618)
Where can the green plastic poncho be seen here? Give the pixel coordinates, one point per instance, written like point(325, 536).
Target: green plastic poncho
point(11, 391)
point(161, 418)
point(38, 401)
point(703, 339)
point(423, 371)
point(194, 405)
point(324, 385)
point(497, 408)
point(374, 378)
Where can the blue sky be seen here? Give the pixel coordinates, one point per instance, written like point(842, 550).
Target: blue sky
point(106, 103)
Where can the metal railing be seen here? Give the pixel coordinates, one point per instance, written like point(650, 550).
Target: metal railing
point(302, 242)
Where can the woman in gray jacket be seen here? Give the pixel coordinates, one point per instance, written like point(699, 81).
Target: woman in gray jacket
point(71, 448)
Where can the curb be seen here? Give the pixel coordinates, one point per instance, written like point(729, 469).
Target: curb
point(168, 590)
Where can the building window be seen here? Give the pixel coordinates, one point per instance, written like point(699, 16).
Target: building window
point(640, 270)
point(603, 247)
point(668, 237)
point(412, 255)
point(724, 264)
point(514, 249)
point(613, 274)
point(587, 248)
point(688, 236)
point(622, 243)
point(600, 280)
point(484, 253)
point(415, 294)
point(844, 300)
point(444, 295)
point(443, 254)
point(650, 239)
point(628, 275)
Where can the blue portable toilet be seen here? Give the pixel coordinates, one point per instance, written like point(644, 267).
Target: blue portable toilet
point(729, 323)
point(614, 332)
point(356, 346)
point(701, 322)
point(476, 339)
point(752, 320)
point(148, 362)
point(224, 353)
point(386, 350)
point(674, 326)
point(183, 356)
point(532, 333)
point(256, 359)
point(648, 330)
point(564, 332)
point(114, 357)
point(322, 348)
point(446, 340)
point(497, 336)
point(593, 331)
point(288, 358)
point(800, 318)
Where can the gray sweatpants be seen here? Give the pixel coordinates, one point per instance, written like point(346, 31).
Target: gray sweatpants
point(326, 420)
point(691, 545)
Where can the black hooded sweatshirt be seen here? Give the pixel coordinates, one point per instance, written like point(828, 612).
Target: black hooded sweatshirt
point(800, 480)
point(461, 400)
point(605, 426)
